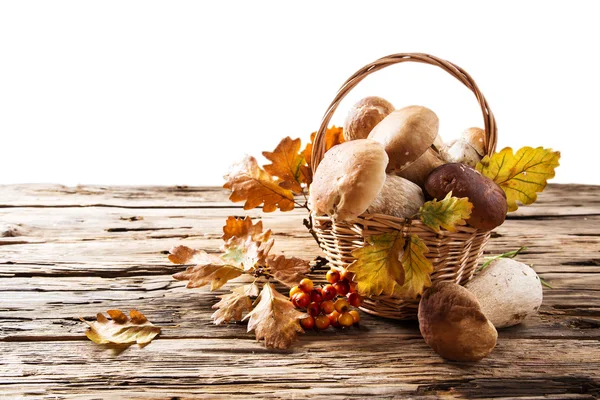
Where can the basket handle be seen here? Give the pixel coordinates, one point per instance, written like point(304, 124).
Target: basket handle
point(491, 131)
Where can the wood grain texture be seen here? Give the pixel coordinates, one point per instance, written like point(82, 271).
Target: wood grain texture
point(70, 252)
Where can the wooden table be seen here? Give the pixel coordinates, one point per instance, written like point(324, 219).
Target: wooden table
point(70, 252)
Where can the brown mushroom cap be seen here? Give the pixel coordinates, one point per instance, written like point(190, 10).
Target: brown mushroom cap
point(364, 115)
point(406, 134)
point(452, 324)
point(348, 179)
point(488, 199)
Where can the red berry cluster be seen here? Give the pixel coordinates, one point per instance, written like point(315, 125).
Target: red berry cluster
point(329, 305)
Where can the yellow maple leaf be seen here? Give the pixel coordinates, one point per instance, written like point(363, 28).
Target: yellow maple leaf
point(288, 271)
point(446, 213)
point(274, 319)
point(232, 305)
point(209, 269)
point(249, 183)
point(377, 268)
point(286, 162)
point(520, 175)
point(417, 269)
point(121, 329)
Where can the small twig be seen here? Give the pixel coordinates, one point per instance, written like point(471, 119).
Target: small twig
point(545, 283)
point(510, 254)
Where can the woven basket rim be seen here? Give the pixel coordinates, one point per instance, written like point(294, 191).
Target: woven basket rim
point(491, 129)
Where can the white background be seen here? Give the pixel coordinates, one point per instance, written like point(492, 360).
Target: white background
point(146, 92)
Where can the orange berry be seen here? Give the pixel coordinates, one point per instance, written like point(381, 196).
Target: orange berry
point(322, 322)
point(306, 285)
point(327, 307)
point(341, 305)
point(294, 290)
point(355, 315)
point(308, 322)
point(346, 319)
point(332, 276)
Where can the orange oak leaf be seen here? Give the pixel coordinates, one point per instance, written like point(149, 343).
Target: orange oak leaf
point(333, 136)
point(274, 319)
point(209, 269)
point(232, 305)
point(288, 271)
point(286, 162)
point(249, 183)
point(243, 227)
point(121, 329)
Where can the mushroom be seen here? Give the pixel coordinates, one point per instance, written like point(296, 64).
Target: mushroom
point(364, 115)
point(348, 179)
point(488, 199)
point(452, 324)
point(399, 197)
point(508, 292)
point(410, 137)
point(467, 150)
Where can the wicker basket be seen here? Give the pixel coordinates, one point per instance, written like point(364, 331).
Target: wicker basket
point(454, 254)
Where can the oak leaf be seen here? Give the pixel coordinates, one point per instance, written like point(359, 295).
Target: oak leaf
point(274, 319)
point(246, 253)
point(446, 213)
point(377, 268)
point(232, 305)
point(417, 269)
point(209, 269)
point(121, 329)
point(520, 175)
point(243, 227)
point(288, 271)
point(333, 136)
point(249, 183)
point(286, 162)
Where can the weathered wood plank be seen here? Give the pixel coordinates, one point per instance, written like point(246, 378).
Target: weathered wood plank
point(384, 367)
point(66, 252)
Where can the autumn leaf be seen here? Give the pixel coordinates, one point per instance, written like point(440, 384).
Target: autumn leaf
point(333, 136)
point(121, 329)
point(286, 162)
point(246, 253)
point(231, 306)
point(249, 183)
point(209, 269)
point(288, 271)
point(243, 227)
point(246, 244)
point(377, 268)
point(417, 269)
point(274, 319)
point(520, 175)
point(446, 213)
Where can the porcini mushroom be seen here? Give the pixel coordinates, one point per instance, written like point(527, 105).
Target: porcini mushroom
point(467, 150)
point(508, 292)
point(364, 115)
point(452, 324)
point(488, 199)
point(408, 136)
point(399, 197)
point(348, 179)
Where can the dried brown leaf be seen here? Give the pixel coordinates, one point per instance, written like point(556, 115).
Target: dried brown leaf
point(286, 162)
point(243, 227)
point(121, 329)
point(210, 269)
point(274, 319)
point(249, 183)
point(232, 305)
point(288, 271)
